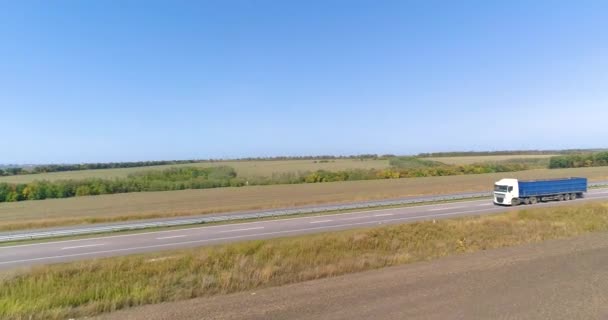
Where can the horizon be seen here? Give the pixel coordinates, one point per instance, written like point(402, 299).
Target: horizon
point(330, 156)
point(145, 81)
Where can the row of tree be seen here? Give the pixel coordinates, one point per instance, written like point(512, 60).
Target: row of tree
point(87, 166)
point(11, 171)
point(504, 152)
point(154, 180)
point(579, 160)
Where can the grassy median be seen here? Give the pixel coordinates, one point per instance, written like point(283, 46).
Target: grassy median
point(96, 286)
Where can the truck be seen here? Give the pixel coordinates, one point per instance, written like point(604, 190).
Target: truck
point(513, 192)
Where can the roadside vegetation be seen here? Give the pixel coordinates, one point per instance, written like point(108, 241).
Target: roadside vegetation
point(96, 286)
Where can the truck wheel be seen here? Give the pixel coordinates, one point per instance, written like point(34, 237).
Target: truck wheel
point(567, 197)
point(573, 196)
point(533, 200)
point(526, 201)
point(515, 202)
point(560, 197)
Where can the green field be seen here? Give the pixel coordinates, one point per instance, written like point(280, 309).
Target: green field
point(142, 205)
point(480, 159)
point(91, 287)
point(244, 169)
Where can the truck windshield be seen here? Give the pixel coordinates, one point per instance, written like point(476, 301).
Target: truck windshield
point(500, 188)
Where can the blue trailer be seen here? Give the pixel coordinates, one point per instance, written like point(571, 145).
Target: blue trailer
point(515, 192)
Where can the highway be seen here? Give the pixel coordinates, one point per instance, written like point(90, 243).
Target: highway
point(115, 245)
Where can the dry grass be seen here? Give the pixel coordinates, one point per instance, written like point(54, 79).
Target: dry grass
point(243, 168)
point(131, 206)
point(479, 159)
point(92, 287)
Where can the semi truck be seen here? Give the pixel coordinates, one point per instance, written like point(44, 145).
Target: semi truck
point(513, 192)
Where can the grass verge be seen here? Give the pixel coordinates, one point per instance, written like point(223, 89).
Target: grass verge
point(96, 286)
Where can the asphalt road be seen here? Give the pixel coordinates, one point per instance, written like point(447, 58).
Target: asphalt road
point(115, 245)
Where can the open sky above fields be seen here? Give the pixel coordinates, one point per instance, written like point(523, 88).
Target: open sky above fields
point(84, 81)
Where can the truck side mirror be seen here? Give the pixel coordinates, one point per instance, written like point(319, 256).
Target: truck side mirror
point(510, 189)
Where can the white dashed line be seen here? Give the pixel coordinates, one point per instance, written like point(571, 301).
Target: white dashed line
point(321, 221)
point(83, 246)
point(383, 215)
point(172, 237)
point(355, 218)
point(244, 229)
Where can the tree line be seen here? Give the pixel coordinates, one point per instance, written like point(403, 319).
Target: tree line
point(11, 171)
point(153, 180)
point(222, 176)
point(579, 160)
point(503, 153)
point(88, 166)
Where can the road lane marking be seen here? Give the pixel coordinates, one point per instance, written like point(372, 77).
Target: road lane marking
point(484, 204)
point(172, 237)
point(320, 221)
point(244, 229)
point(236, 237)
point(383, 215)
point(448, 208)
point(355, 218)
point(84, 246)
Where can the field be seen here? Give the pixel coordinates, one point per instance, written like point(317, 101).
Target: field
point(260, 168)
point(95, 286)
point(480, 159)
point(131, 206)
point(243, 168)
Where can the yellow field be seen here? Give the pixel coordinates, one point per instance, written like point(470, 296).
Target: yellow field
point(479, 159)
point(243, 168)
point(131, 206)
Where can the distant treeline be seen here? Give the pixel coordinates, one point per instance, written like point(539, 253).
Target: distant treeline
point(10, 170)
point(34, 169)
point(318, 157)
point(504, 153)
point(579, 160)
point(87, 166)
point(223, 176)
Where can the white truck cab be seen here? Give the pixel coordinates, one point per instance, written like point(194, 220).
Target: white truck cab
point(505, 190)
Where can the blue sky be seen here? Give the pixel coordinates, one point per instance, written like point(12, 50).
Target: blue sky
point(96, 81)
